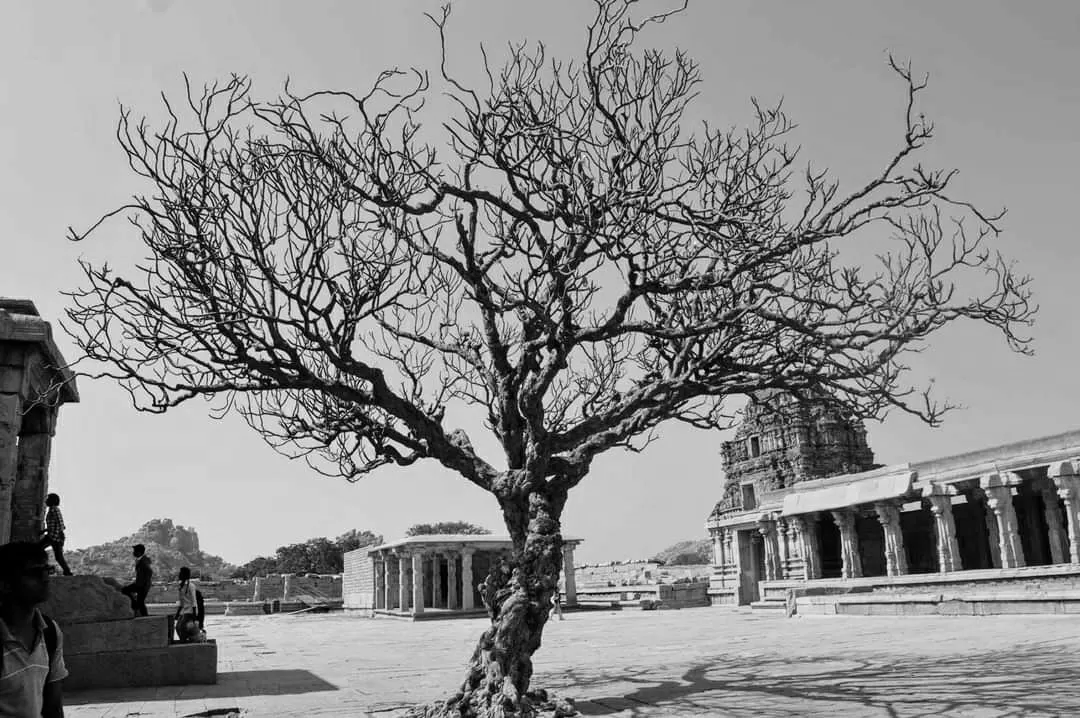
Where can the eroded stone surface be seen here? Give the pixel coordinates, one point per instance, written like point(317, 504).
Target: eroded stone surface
point(85, 599)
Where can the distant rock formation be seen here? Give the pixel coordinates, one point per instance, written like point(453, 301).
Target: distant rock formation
point(169, 546)
point(685, 553)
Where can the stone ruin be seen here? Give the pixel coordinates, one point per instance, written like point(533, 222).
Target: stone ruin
point(104, 646)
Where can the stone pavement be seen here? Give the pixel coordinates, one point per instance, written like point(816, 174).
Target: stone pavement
point(694, 662)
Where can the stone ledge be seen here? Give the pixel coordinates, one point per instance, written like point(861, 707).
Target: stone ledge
point(125, 635)
point(176, 664)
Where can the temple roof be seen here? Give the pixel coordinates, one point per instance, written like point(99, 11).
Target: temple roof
point(20, 321)
point(478, 540)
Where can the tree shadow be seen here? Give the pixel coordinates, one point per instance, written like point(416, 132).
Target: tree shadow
point(231, 684)
point(1033, 680)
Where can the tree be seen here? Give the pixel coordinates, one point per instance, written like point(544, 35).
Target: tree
point(446, 527)
point(316, 555)
point(570, 258)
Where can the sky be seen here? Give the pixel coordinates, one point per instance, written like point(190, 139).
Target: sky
point(1003, 93)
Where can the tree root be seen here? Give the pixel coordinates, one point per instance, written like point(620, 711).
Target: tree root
point(537, 704)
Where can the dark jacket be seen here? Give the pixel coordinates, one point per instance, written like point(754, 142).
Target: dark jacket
point(143, 573)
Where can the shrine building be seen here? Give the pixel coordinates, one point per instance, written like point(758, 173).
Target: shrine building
point(436, 576)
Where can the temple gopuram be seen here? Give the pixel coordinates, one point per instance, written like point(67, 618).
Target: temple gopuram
point(809, 522)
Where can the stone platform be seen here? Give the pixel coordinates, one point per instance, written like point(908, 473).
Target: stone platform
point(134, 652)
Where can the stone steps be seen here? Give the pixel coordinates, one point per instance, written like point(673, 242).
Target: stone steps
point(134, 652)
point(768, 605)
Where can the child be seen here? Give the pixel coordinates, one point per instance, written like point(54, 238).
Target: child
point(53, 535)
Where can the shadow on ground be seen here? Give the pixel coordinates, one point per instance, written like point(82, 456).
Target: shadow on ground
point(231, 684)
point(1034, 680)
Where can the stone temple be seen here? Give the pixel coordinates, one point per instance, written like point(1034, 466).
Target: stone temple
point(808, 521)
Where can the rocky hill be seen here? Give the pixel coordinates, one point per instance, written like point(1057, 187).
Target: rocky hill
point(697, 551)
point(169, 546)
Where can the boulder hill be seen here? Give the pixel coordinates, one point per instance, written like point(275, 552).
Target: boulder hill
point(169, 546)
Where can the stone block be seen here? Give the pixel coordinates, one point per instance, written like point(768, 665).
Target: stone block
point(85, 599)
point(174, 665)
point(245, 608)
point(125, 635)
point(956, 608)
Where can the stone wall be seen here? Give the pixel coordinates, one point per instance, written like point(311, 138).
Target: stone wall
point(211, 591)
point(358, 586)
point(292, 587)
point(631, 573)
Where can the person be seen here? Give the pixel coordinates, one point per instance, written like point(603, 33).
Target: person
point(53, 535)
point(32, 656)
point(187, 619)
point(144, 576)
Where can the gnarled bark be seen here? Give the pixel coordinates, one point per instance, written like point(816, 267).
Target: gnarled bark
point(518, 594)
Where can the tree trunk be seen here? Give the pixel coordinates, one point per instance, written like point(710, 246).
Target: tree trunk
point(518, 594)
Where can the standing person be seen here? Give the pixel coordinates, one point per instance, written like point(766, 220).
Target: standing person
point(187, 619)
point(31, 644)
point(53, 535)
point(144, 576)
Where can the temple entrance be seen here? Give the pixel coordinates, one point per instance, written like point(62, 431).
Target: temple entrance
point(832, 562)
point(920, 538)
point(871, 545)
point(751, 565)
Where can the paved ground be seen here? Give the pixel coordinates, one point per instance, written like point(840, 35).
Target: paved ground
point(696, 662)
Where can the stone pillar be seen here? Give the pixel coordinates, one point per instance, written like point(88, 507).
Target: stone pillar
point(436, 581)
point(888, 514)
point(1065, 476)
point(10, 423)
point(378, 568)
point(849, 543)
point(451, 582)
point(569, 580)
point(32, 473)
point(717, 549)
point(940, 498)
point(388, 583)
point(418, 583)
point(998, 488)
point(467, 585)
point(785, 552)
point(403, 582)
point(992, 537)
point(286, 587)
point(806, 526)
point(731, 557)
point(767, 528)
point(1054, 530)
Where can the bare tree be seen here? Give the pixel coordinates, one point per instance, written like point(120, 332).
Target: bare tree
point(569, 257)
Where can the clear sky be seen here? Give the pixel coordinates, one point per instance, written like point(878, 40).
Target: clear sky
point(1004, 94)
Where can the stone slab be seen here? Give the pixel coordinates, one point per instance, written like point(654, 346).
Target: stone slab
point(85, 599)
point(245, 608)
point(128, 635)
point(172, 665)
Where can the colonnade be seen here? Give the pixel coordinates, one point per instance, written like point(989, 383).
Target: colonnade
point(790, 545)
point(409, 577)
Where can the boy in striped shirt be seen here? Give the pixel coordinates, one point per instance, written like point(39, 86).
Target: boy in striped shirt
point(54, 531)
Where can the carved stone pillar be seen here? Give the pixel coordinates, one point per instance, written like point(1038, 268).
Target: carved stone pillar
point(10, 423)
point(731, 555)
point(806, 526)
point(32, 473)
point(379, 590)
point(569, 580)
point(849, 543)
point(888, 514)
point(388, 583)
point(940, 498)
point(1055, 532)
point(436, 581)
point(451, 582)
point(998, 488)
point(418, 583)
point(403, 582)
point(770, 546)
point(468, 585)
point(782, 535)
point(717, 548)
point(1065, 476)
point(993, 539)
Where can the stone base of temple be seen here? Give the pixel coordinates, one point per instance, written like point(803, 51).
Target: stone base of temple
point(429, 614)
point(1031, 589)
point(134, 652)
